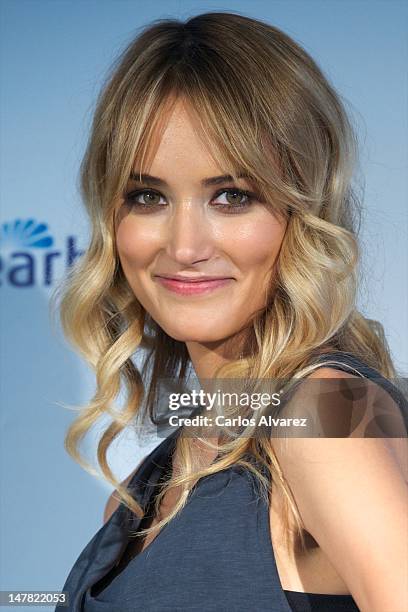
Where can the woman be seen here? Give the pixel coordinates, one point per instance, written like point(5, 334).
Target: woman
point(218, 183)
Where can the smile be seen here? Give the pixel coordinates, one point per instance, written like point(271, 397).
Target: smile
point(183, 287)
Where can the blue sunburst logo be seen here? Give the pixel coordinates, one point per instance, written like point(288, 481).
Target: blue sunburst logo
point(25, 234)
point(28, 254)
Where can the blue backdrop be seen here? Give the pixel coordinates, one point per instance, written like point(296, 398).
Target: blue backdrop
point(54, 55)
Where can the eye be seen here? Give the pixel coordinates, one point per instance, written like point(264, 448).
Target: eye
point(236, 199)
point(148, 198)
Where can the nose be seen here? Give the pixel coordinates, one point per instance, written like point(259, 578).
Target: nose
point(189, 237)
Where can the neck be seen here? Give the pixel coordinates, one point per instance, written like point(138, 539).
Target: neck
point(208, 357)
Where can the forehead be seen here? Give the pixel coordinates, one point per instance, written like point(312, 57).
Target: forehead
point(177, 145)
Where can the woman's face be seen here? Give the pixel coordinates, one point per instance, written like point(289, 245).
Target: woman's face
point(186, 222)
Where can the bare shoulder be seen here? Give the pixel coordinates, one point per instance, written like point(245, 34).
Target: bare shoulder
point(339, 485)
point(379, 406)
point(113, 501)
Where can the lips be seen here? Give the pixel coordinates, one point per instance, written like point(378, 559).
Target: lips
point(192, 285)
point(191, 279)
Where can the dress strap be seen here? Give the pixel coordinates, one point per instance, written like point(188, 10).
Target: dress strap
point(348, 362)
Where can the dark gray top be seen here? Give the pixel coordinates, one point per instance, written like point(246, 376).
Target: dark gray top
point(215, 556)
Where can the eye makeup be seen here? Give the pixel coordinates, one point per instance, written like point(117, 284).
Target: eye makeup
point(148, 200)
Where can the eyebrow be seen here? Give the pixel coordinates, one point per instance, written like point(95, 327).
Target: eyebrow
point(148, 179)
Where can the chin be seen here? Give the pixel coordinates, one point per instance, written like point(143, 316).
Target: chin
point(196, 333)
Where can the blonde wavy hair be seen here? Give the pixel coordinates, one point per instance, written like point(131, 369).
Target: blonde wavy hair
point(265, 107)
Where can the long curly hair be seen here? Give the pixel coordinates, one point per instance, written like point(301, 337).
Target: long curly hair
point(265, 107)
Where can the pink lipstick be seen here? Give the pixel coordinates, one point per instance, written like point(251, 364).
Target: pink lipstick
point(192, 286)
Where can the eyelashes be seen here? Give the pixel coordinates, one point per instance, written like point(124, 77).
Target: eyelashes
point(148, 200)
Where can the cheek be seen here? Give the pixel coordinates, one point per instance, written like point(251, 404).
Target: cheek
point(136, 245)
point(256, 243)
